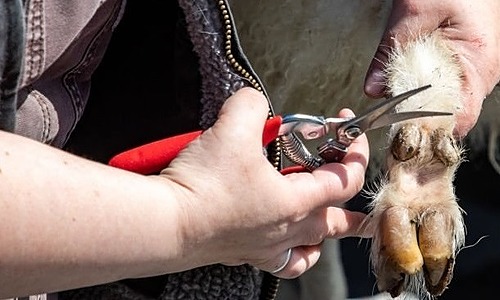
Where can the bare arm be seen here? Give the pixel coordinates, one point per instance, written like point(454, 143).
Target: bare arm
point(69, 222)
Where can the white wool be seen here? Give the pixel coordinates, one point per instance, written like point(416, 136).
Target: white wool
point(311, 58)
point(425, 61)
point(313, 55)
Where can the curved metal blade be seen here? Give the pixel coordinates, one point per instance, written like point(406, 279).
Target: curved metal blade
point(389, 119)
point(367, 120)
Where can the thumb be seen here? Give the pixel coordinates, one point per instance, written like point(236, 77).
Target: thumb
point(243, 115)
point(406, 22)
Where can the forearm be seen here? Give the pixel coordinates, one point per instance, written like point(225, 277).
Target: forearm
point(64, 226)
point(70, 222)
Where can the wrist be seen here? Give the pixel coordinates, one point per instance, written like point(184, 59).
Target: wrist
point(195, 227)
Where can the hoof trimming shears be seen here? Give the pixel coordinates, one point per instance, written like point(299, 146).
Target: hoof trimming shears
point(153, 157)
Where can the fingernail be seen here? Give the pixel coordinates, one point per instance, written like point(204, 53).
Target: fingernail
point(346, 113)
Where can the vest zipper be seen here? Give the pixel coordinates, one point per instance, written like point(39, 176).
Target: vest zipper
point(240, 64)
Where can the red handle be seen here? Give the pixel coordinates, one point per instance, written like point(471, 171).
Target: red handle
point(154, 157)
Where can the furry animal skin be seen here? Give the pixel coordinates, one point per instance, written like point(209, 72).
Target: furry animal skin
point(416, 222)
point(312, 56)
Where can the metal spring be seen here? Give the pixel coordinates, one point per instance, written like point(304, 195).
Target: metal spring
point(297, 153)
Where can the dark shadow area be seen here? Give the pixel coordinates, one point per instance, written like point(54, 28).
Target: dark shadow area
point(146, 87)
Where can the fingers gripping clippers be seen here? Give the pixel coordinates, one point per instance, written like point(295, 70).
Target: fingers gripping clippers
point(153, 157)
point(346, 130)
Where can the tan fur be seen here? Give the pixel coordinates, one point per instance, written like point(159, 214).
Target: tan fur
point(421, 164)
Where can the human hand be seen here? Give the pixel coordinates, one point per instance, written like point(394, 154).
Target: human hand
point(236, 208)
point(471, 29)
